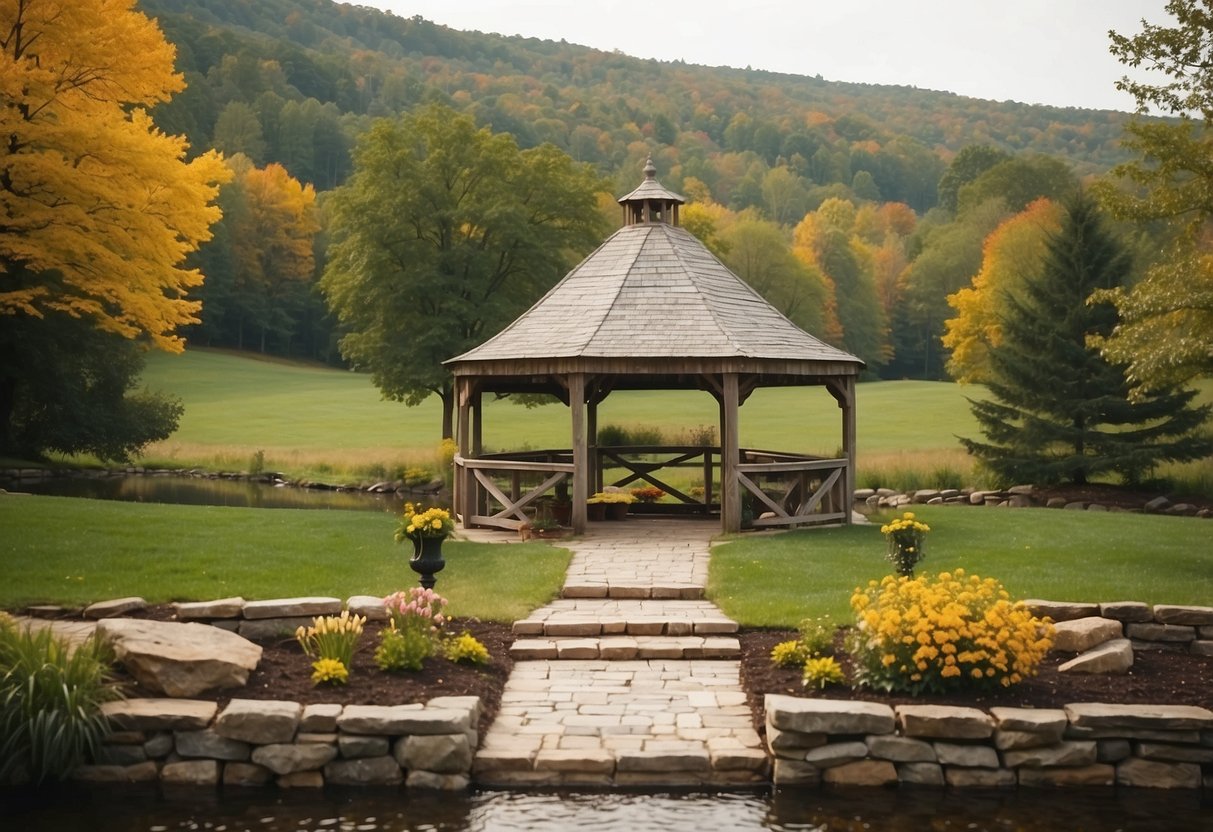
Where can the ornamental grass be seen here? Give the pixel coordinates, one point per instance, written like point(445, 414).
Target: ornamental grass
point(948, 632)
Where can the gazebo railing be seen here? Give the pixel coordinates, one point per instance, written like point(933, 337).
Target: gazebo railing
point(786, 489)
point(496, 490)
point(778, 489)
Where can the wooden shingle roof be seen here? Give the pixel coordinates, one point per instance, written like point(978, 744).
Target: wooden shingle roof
point(653, 291)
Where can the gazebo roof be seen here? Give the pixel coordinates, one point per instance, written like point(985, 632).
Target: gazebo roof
point(653, 291)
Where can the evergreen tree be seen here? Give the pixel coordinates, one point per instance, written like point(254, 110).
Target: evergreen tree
point(1060, 412)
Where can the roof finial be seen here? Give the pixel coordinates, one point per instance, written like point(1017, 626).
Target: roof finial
point(650, 170)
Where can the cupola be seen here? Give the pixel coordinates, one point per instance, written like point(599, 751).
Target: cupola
point(651, 201)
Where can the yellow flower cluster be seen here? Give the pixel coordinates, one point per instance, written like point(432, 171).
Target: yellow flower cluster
point(331, 671)
point(822, 671)
point(430, 522)
point(788, 653)
point(905, 537)
point(332, 637)
point(917, 634)
point(467, 648)
point(906, 522)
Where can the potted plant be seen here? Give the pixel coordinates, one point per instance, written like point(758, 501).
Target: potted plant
point(426, 529)
point(614, 504)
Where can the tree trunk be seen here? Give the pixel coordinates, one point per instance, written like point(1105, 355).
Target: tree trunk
point(8, 401)
point(448, 412)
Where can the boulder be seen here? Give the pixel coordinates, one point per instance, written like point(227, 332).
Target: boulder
point(944, 722)
point(1115, 656)
point(1079, 634)
point(260, 722)
point(289, 758)
point(114, 608)
point(180, 660)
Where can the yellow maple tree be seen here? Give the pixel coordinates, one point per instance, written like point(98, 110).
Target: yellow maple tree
point(98, 207)
point(1013, 251)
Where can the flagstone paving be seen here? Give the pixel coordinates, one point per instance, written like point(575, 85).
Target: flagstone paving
point(629, 678)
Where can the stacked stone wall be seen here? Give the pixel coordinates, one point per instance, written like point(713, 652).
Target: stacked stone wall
point(838, 742)
point(256, 743)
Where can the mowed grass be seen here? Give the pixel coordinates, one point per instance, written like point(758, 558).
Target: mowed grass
point(777, 580)
point(75, 551)
point(307, 418)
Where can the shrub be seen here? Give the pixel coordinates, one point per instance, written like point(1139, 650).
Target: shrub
point(943, 633)
point(788, 654)
point(413, 634)
point(50, 698)
point(331, 671)
point(817, 636)
point(466, 648)
point(822, 671)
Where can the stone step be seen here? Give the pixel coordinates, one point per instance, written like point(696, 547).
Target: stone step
point(610, 589)
point(625, 647)
point(586, 617)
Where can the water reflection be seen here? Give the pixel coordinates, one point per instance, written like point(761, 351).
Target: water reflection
point(198, 491)
point(371, 810)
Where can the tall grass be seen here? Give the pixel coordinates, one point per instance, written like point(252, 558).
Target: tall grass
point(50, 698)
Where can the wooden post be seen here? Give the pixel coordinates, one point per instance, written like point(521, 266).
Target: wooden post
point(581, 491)
point(843, 391)
point(593, 475)
point(730, 456)
point(481, 501)
point(462, 499)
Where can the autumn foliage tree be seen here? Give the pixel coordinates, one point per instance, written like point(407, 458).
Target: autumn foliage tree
point(98, 208)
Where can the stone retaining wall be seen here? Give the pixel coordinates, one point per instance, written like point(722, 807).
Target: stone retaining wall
point(1171, 627)
point(838, 742)
point(255, 743)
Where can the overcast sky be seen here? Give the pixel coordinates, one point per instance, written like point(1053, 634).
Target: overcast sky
point(1034, 51)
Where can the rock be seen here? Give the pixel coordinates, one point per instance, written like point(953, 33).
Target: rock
point(370, 606)
point(191, 773)
point(292, 607)
point(1127, 611)
point(319, 718)
point(980, 778)
point(353, 747)
point(1056, 502)
point(1157, 775)
point(159, 714)
point(120, 755)
point(272, 628)
point(365, 771)
point(210, 745)
point(1161, 632)
point(792, 744)
point(944, 722)
point(1049, 723)
point(440, 753)
point(206, 610)
point(836, 754)
point(795, 773)
point(1157, 504)
point(114, 608)
point(920, 774)
point(968, 756)
point(825, 716)
point(245, 774)
point(1174, 753)
point(288, 758)
point(925, 495)
point(662, 762)
point(1112, 750)
point(180, 660)
point(1082, 753)
point(440, 782)
point(1092, 775)
point(146, 772)
point(1174, 614)
point(259, 722)
point(159, 745)
point(900, 749)
point(1115, 656)
point(301, 780)
point(862, 773)
point(1079, 634)
point(1061, 610)
point(1149, 717)
point(396, 720)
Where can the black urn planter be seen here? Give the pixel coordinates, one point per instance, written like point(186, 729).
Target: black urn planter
point(427, 559)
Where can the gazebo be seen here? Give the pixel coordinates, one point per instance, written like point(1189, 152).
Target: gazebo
point(651, 309)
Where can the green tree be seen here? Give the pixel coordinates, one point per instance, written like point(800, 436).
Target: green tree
point(970, 163)
point(760, 253)
point(1165, 334)
point(443, 235)
point(1060, 412)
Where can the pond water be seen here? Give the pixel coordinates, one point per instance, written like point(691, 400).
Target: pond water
point(201, 491)
point(372, 810)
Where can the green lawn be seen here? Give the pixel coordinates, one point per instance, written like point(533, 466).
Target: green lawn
point(74, 551)
point(1037, 553)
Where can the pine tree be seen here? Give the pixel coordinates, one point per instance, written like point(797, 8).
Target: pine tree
point(1059, 411)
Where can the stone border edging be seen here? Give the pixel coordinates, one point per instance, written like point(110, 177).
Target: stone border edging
point(1017, 496)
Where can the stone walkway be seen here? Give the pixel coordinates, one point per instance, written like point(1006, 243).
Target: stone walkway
point(630, 678)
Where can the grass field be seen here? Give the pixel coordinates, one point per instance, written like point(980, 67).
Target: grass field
point(312, 421)
point(1036, 553)
point(74, 551)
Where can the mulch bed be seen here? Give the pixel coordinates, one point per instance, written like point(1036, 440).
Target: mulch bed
point(1159, 678)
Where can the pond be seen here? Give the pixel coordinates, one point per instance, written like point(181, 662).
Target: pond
point(900, 810)
point(205, 491)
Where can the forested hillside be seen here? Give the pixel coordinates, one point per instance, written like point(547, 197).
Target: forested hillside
point(857, 209)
